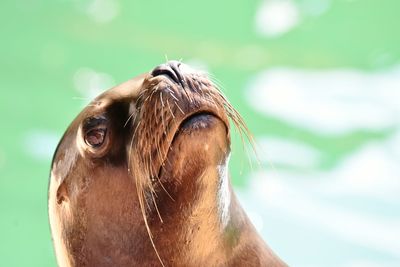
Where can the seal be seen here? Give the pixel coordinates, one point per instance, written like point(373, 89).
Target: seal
point(140, 179)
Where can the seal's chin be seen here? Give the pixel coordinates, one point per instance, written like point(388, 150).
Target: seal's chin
point(201, 141)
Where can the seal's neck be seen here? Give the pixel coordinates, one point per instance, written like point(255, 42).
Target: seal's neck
point(199, 220)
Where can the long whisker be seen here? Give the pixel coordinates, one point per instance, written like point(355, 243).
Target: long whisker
point(179, 108)
point(130, 117)
point(162, 114)
point(170, 110)
point(140, 196)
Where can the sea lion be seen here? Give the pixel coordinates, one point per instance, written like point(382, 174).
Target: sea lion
point(140, 179)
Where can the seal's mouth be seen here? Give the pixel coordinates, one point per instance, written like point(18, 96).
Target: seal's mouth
point(198, 121)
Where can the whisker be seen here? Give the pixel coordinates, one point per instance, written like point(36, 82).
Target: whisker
point(130, 117)
point(179, 108)
point(172, 94)
point(162, 115)
point(165, 190)
point(155, 205)
point(187, 94)
point(169, 106)
point(140, 195)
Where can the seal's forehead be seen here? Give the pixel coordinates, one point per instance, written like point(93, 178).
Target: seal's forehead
point(127, 90)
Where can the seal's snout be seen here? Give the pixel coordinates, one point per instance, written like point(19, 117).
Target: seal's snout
point(172, 70)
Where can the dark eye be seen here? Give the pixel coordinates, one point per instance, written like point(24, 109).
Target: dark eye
point(95, 131)
point(95, 137)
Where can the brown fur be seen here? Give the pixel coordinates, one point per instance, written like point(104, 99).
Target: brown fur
point(151, 194)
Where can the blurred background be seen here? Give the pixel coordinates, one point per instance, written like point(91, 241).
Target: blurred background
point(318, 82)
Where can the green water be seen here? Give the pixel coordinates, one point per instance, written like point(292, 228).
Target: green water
point(45, 45)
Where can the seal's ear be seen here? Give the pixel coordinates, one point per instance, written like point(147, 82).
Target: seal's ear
point(62, 193)
point(64, 161)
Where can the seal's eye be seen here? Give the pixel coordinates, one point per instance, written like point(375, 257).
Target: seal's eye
point(95, 131)
point(95, 137)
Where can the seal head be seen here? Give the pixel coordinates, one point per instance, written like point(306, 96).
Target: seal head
point(140, 178)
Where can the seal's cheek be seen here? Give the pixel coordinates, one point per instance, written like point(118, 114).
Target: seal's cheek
point(112, 208)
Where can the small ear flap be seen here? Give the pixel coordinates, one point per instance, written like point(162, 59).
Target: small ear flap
point(62, 193)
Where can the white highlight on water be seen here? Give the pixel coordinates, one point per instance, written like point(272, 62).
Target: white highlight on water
point(276, 17)
point(90, 83)
point(40, 144)
point(274, 150)
point(333, 101)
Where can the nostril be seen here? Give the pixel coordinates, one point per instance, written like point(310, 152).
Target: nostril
point(170, 69)
point(175, 67)
point(165, 70)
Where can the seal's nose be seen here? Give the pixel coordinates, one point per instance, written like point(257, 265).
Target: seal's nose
point(170, 69)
